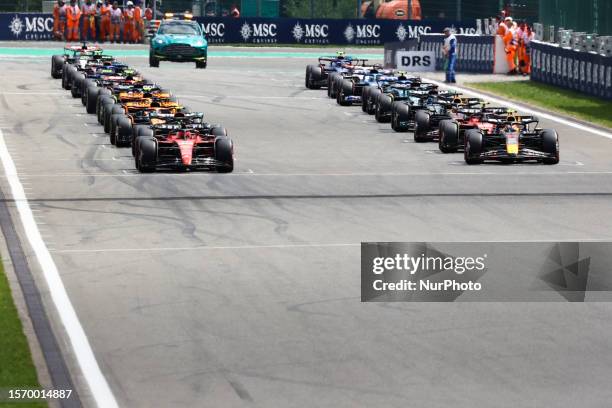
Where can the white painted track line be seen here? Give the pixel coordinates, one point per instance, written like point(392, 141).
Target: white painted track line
point(524, 109)
point(252, 174)
point(90, 370)
point(208, 248)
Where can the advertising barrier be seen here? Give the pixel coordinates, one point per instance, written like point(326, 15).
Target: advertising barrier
point(392, 48)
point(585, 72)
point(322, 31)
point(416, 61)
point(475, 53)
point(26, 27)
point(225, 30)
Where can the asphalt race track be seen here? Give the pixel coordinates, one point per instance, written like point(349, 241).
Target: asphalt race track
point(241, 290)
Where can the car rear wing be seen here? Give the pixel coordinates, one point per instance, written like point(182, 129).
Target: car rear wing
point(497, 110)
point(470, 111)
point(512, 119)
point(178, 117)
point(347, 60)
point(457, 99)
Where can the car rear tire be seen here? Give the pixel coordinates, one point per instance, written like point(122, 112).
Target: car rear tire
point(91, 99)
point(218, 131)
point(140, 131)
point(66, 72)
point(371, 101)
point(345, 89)
point(224, 153)
point(153, 61)
point(307, 76)
point(331, 84)
point(400, 112)
point(147, 155)
point(449, 136)
point(114, 124)
point(422, 120)
point(550, 145)
point(473, 146)
point(71, 72)
point(57, 62)
point(114, 109)
point(123, 132)
point(383, 108)
point(75, 89)
point(364, 98)
point(104, 107)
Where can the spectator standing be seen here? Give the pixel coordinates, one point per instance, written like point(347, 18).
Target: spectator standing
point(508, 32)
point(526, 36)
point(129, 25)
point(116, 19)
point(105, 10)
point(89, 21)
point(234, 12)
point(59, 20)
point(449, 49)
point(139, 22)
point(73, 16)
point(98, 21)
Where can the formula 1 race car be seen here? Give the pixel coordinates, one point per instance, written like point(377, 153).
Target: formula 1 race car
point(72, 53)
point(139, 112)
point(410, 92)
point(513, 139)
point(184, 147)
point(121, 98)
point(451, 132)
point(317, 75)
point(427, 120)
point(351, 88)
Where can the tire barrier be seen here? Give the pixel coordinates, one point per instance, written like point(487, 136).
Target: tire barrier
point(585, 72)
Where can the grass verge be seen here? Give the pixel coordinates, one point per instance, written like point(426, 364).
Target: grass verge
point(16, 368)
point(574, 104)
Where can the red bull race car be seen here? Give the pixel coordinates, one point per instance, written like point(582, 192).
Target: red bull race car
point(510, 140)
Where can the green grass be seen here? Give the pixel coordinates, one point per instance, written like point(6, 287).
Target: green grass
point(574, 104)
point(16, 368)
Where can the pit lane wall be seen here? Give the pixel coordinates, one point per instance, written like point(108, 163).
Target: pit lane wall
point(585, 72)
point(223, 30)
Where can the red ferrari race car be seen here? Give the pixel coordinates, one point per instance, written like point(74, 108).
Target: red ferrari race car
point(174, 146)
point(452, 131)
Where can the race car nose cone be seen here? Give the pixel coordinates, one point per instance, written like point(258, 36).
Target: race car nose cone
point(186, 148)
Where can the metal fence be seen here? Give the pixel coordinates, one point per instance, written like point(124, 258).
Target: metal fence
point(591, 16)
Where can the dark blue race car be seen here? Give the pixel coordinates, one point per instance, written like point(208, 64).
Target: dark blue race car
point(317, 75)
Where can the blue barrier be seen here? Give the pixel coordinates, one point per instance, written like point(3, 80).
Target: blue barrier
point(26, 26)
point(225, 30)
point(322, 31)
point(474, 53)
point(584, 72)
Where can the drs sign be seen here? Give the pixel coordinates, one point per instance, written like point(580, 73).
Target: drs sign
point(416, 61)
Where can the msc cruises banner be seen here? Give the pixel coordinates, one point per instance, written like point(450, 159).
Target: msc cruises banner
point(26, 26)
point(586, 72)
point(224, 30)
point(323, 31)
